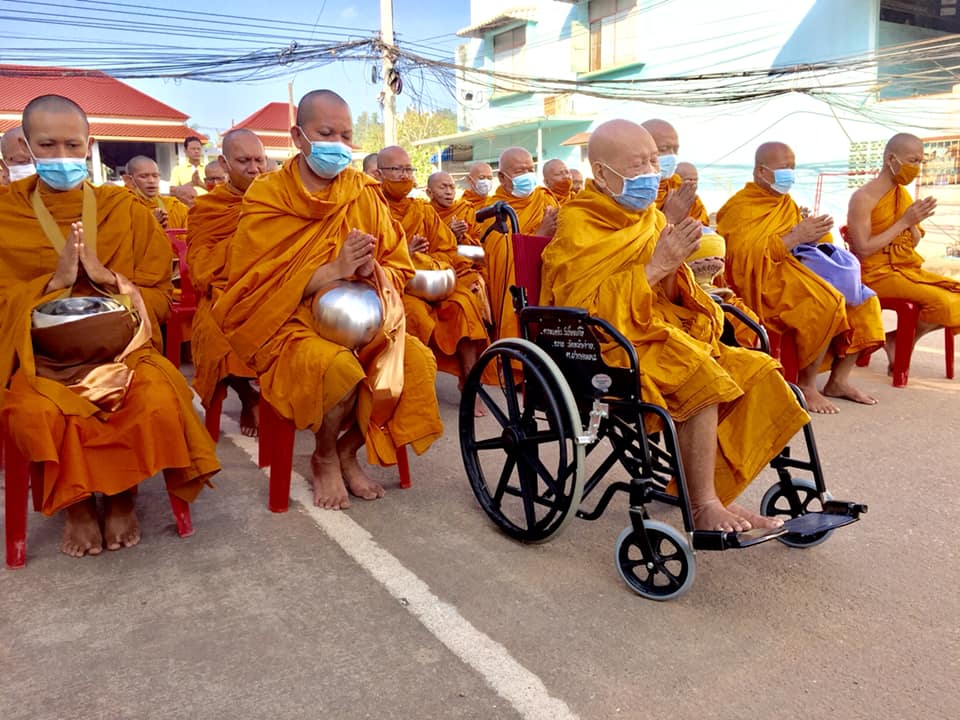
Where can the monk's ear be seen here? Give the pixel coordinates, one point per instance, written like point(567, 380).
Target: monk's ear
point(90, 142)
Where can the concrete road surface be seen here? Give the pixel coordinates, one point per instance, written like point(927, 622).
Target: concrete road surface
point(415, 606)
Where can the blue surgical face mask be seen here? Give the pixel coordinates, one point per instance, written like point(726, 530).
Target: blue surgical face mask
point(328, 159)
point(62, 173)
point(524, 184)
point(668, 165)
point(782, 180)
point(639, 191)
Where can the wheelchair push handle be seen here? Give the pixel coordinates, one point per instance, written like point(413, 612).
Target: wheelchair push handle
point(502, 211)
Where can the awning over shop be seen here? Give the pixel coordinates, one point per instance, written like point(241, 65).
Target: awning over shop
point(468, 137)
point(498, 21)
point(581, 138)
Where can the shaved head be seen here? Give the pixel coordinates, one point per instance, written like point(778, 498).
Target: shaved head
point(771, 152)
point(322, 116)
point(214, 174)
point(771, 156)
point(318, 101)
point(370, 163)
point(53, 105)
point(903, 144)
point(664, 135)
point(620, 149)
point(480, 170)
point(13, 150)
point(514, 161)
point(441, 189)
point(243, 158)
point(687, 171)
point(142, 174)
point(392, 156)
point(577, 178)
point(557, 177)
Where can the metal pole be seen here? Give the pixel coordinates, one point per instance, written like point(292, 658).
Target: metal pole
point(389, 98)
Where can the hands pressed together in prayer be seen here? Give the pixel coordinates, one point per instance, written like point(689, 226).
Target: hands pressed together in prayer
point(161, 216)
point(678, 202)
point(418, 243)
point(356, 255)
point(675, 245)
point(808, 231)
point(76, 260)
point(548, 226)
point(459, 228)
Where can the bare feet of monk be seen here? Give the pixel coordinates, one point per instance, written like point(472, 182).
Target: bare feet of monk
point(81, 536)
point(329, 492)
point(712, 515)
point(121, 529)
point(817, 403)
point(847, 392)
point(479, 410)
point(358, 483)
point(249, 406)
point(755, 519)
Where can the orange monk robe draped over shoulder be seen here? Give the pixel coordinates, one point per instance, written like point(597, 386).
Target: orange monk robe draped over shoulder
point(211, 223)
point(460, 210)
point(697, 210)
point(786, 295)
point(683, 365)
point(83, 449)
point(442, 324)
point(499, 255)
point(896, 270)
point(176, 210)
point(474, 200)
point(283, 236)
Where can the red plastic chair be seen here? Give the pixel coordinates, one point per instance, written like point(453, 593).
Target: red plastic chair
point(275, 450)
point(908, 315)
point(20, 476)
point(182, 310)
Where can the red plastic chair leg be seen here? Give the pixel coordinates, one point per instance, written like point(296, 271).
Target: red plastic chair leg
point(174, 340)
point(403, 466)
point(277, 435)
point(17, 483)
point(211, 418)
point(906, 328)
point(181, 514)
point(948, 349)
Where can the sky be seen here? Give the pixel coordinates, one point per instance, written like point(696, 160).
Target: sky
point(216, 106)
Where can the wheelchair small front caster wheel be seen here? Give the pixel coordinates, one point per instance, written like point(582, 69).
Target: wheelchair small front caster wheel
point(792, 502)
point(660, 566)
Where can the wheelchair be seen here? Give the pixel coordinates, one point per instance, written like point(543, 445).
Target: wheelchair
point(556, 399)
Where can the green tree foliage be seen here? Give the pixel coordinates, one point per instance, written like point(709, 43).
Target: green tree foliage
point(413, 125)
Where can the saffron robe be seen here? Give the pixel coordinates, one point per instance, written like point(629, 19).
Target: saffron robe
point(896, 270)
point(789, 297)
point(697, 210)
point(683, 365)
point(81, 448)
point(211, 223)
point(498, 249)
point(474, 200)
point(284, 235)
point(460, 210)
point(176, 210)
point(442, 324)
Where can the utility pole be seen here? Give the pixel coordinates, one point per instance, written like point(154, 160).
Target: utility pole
point(389, 97)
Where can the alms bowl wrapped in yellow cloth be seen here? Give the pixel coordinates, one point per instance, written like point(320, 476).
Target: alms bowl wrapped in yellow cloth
point(432, 285)
point(348, 313)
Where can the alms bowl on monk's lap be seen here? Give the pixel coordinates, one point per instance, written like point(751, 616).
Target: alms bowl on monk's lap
point(74, 331)
point(347, 313)
point(432, 285)
point(70, 309)
point(471, 252)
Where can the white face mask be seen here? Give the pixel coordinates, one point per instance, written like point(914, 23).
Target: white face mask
point(483, 186)
point(19, 172)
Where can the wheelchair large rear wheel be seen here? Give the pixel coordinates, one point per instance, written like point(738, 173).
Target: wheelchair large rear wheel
point(663, 568)
point(522, 459)
point(793, 502)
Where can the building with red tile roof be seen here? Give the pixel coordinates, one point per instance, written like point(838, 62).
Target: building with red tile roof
point(123, 121)
point(271, 124)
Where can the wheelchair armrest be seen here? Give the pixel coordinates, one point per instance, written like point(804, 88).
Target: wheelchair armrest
point(757, 329)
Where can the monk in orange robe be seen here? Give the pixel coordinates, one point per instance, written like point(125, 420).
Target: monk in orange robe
point(370, 164)
point(212, 222)
point(761, 225)
point(142, 177)
point(677, 197)
point(577, 178)
point(15, 161)
point(106, 428)
point(452, 327)
point(557, 180)
point(458, 214)
point(311, 223)
point(479, 185)
point(883, 229)
point(733, 410)
point(687, 172)
point(536, 210)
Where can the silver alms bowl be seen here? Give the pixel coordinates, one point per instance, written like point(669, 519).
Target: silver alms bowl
point(432, 285)
point(348, 313)
point(471, 252)
point(65, 310)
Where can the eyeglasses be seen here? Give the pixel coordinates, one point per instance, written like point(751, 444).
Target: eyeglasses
point(399, 170)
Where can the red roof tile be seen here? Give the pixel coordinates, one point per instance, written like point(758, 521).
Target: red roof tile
point(125, 131)
point(94, 91)
point(272, 117)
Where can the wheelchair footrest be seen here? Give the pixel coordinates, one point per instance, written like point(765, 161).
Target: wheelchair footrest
point(835, 514)
point(719, 540)
point(817, 522)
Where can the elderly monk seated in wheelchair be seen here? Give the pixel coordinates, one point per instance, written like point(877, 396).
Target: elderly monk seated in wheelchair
point(733, 410)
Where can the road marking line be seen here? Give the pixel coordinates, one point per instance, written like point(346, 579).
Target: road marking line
point(511, 680)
